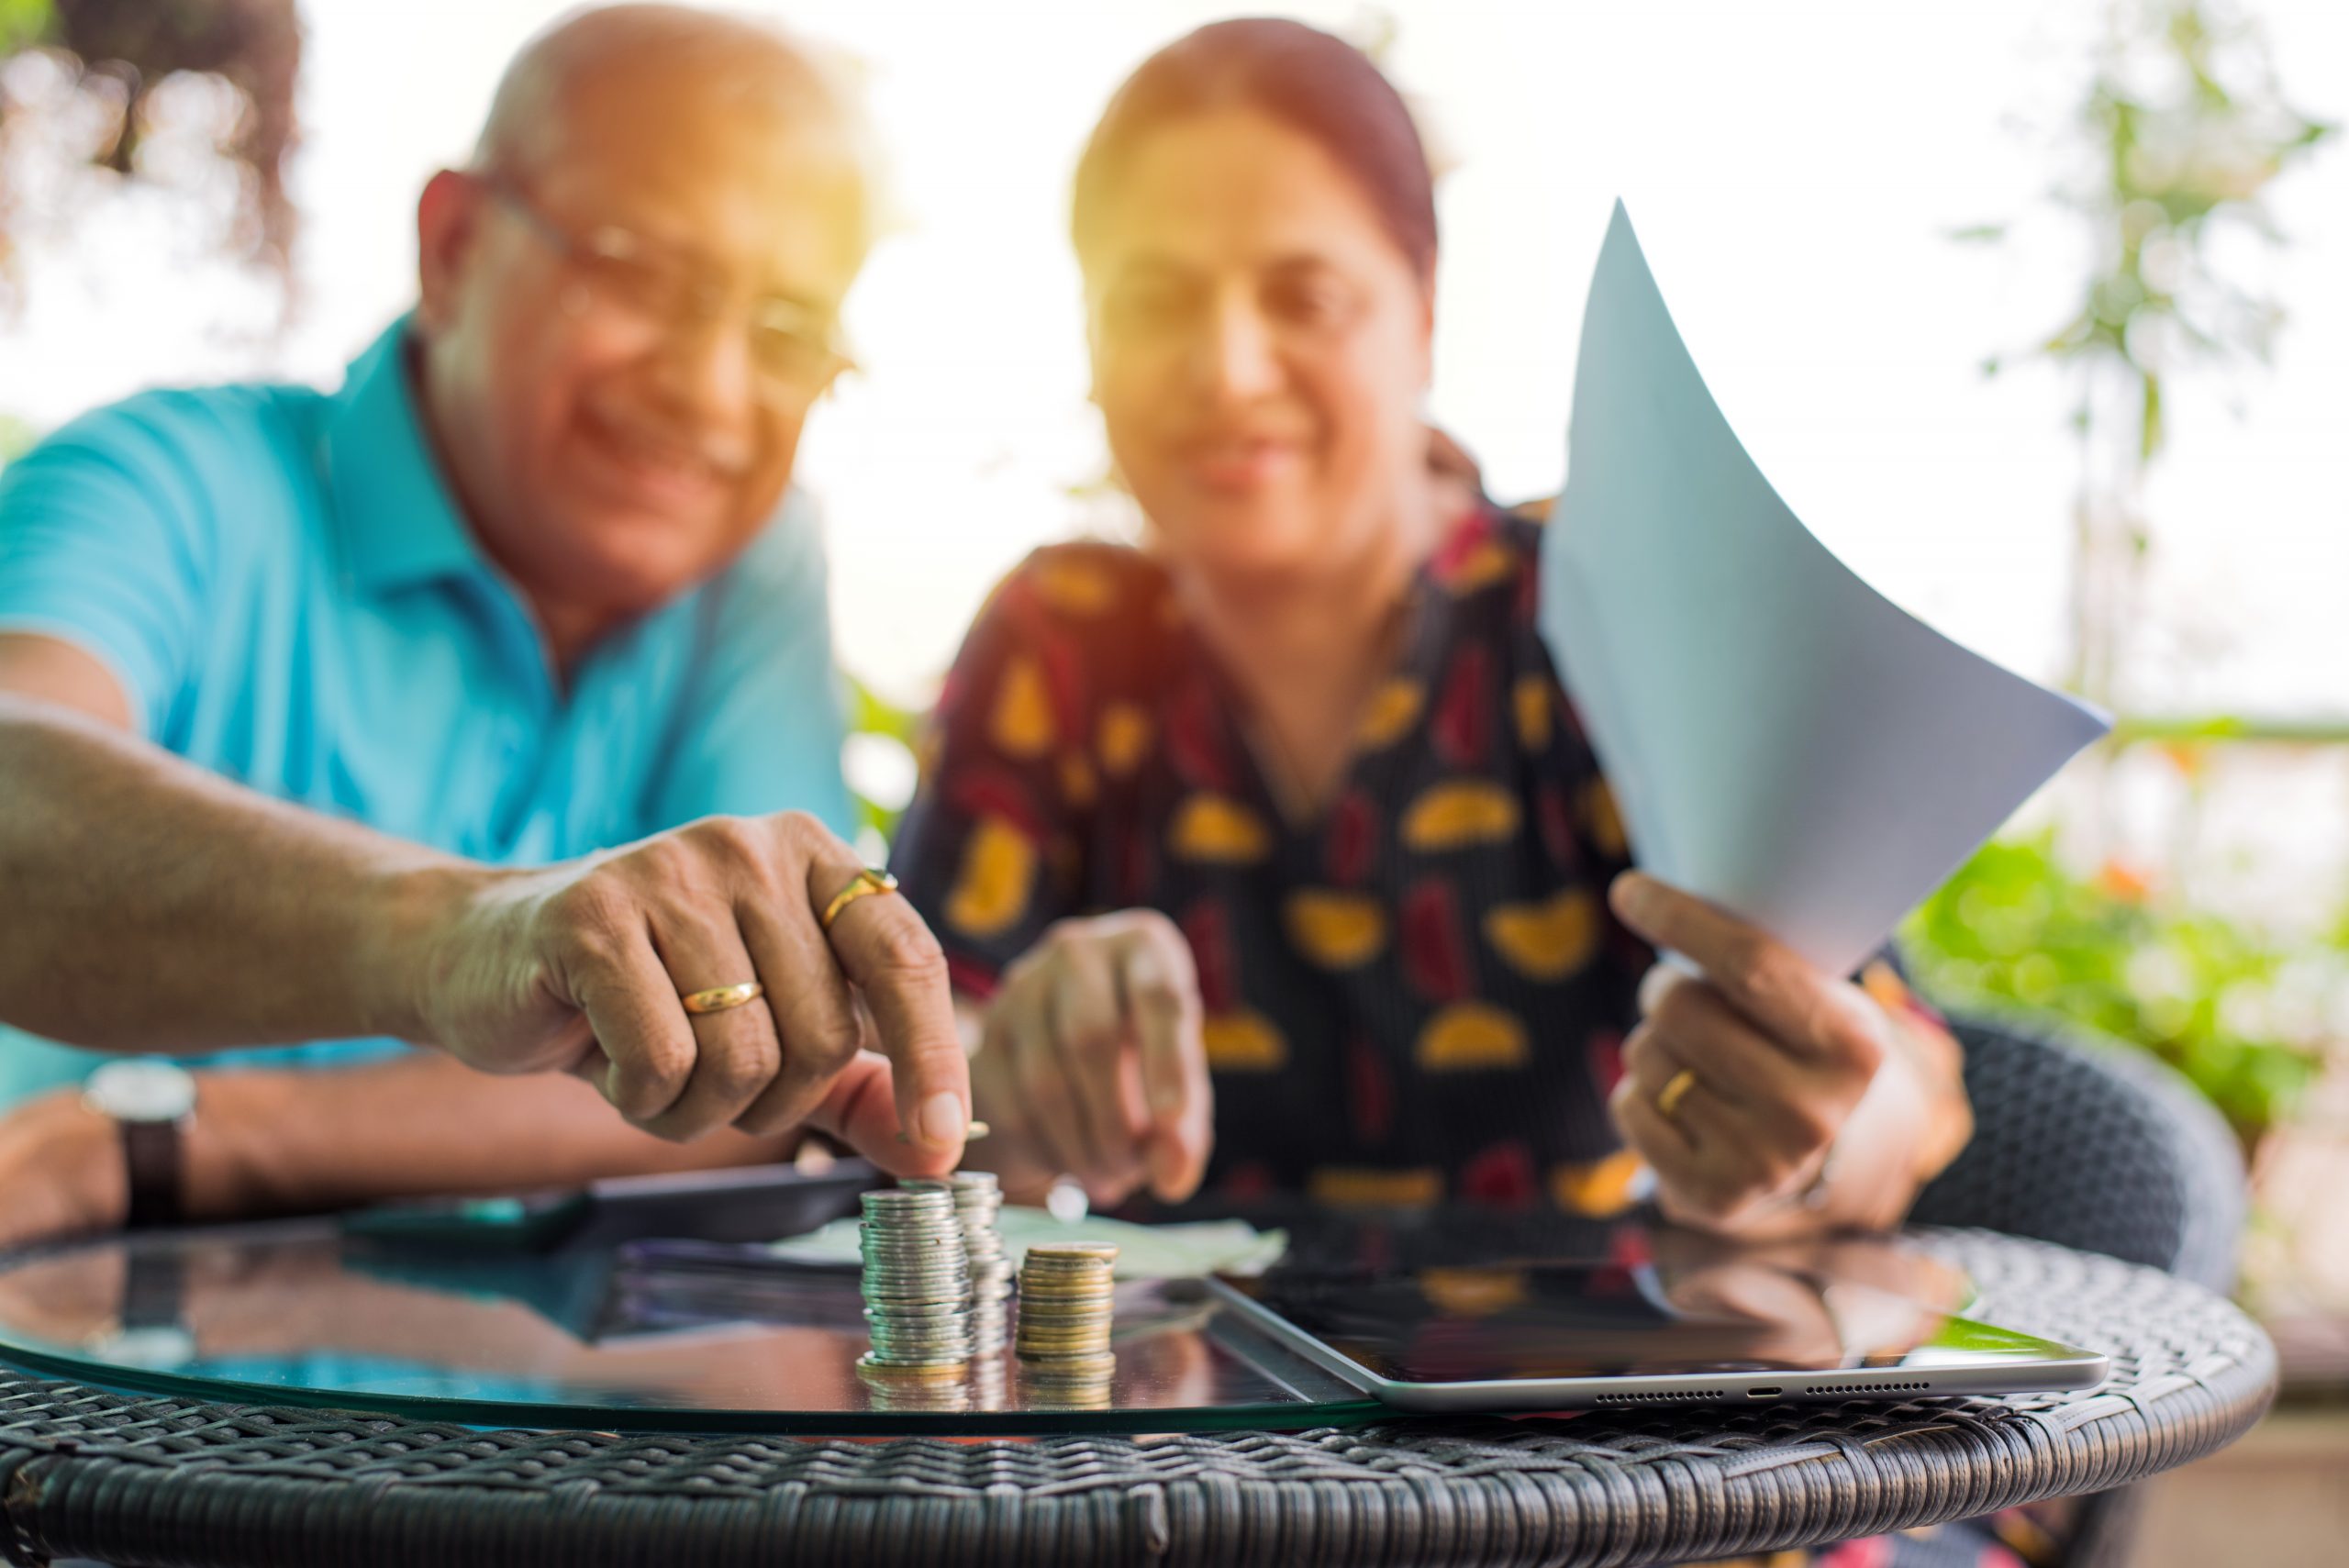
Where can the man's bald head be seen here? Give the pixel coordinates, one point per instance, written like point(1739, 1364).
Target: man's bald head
point(631, 300)
point(652, 64)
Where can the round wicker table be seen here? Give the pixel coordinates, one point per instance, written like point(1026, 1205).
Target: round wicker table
point(136, 1481)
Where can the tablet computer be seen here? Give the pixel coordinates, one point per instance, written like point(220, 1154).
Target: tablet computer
point(1653, 1317)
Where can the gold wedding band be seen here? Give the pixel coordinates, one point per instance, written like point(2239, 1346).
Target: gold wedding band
point(718, 999)
point(869, 880)
point(1676, 1089)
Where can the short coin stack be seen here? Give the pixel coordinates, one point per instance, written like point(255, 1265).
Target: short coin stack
point(1066, 1305)
point(917, 1283)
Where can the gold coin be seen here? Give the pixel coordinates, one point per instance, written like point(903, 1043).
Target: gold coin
point(912, 1372)
point(1033, 1347)
point(1030, 1323)
point(1071, 1367)
point(1075, 1251)
point(1066, 1307)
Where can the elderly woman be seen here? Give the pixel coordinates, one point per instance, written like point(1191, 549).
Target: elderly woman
point(1270, 854)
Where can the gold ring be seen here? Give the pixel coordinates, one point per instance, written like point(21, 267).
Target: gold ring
point(1676, 1089)
point(718, 999)
point(869, 880)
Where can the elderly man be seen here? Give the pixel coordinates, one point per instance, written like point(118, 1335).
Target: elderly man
point(323, 717)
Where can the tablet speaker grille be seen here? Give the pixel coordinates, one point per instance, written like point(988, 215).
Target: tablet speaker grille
point(1867, 1387)
point(1678, 1396)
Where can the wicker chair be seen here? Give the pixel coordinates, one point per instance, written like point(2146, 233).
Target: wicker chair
point(2100, 1147)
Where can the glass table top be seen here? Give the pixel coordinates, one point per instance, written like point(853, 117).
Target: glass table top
point(621, 1338)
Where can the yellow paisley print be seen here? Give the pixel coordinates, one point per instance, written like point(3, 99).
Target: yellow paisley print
point(1073, 587)
point(1483, 565)
point(1601, 820)
point(1598, 1188)
point(1123, 739)
point(1021, 724)
point(1530, 698)
point(999, 874)
point(1336, 931)
point(1347, 1187)
point(1474, 1293)
point(1243, 1042)
point(1469, 1037)
point(1548, 941)
point(1219, 828)
point(1393, 708)
point(1457, 813)
point(1078, 786)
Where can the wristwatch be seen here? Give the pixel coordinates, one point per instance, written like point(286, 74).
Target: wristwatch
point(151, 1102)
point(149, 1333)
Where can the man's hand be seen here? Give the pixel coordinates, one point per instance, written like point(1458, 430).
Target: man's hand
point(580, 968)
point(61, 1168)
point(181, 912)
point(1092, 1063)
point(1781, 1056)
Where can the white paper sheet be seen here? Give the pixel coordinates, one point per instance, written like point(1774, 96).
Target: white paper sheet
point(1780, 737)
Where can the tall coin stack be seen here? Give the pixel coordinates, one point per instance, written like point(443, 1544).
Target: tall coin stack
point(917, 1283)
point(978, 1200)
point(1065, 1306)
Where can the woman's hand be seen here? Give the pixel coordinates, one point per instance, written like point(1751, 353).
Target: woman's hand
point(1091, 1062)
point(1743, 1077)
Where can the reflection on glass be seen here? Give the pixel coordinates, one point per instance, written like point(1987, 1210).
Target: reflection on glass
point(301, 1313)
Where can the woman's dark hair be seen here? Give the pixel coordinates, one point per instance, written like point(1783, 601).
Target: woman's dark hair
point(1319, 86)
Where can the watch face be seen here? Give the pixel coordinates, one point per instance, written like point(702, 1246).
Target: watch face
point(158, 1348)
point(141, 1091)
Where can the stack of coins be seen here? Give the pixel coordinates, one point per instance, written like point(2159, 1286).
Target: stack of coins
point(1066, 1305)
point(918, 1388)
point(917, 1283)
point(977, 1201)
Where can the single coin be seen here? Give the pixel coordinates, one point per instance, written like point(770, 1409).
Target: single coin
point(1067, 1366)
point(1050, 1343)
point(912, 1371)
point(1082, 1309)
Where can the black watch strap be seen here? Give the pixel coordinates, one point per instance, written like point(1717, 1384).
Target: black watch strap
point(151, 1154)
point(154, 1286)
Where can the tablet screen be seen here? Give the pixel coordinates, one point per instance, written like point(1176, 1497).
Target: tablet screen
point(1656, 1304)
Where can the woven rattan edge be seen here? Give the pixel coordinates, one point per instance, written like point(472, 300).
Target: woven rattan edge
point(165, 1481)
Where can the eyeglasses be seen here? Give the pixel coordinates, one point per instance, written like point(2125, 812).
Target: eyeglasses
point(796, 349)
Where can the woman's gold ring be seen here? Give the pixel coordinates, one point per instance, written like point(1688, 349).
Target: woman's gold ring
point(1676, 1089)
point(718, 999)
point(868, 881)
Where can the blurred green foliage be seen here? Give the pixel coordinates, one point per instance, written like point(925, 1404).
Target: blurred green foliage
point(2197, 138)
point(870, 713)
point(22, 22)
point(2015, 929)
point(2181, 132)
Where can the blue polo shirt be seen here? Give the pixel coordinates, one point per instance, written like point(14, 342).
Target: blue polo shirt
point(282, 582)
